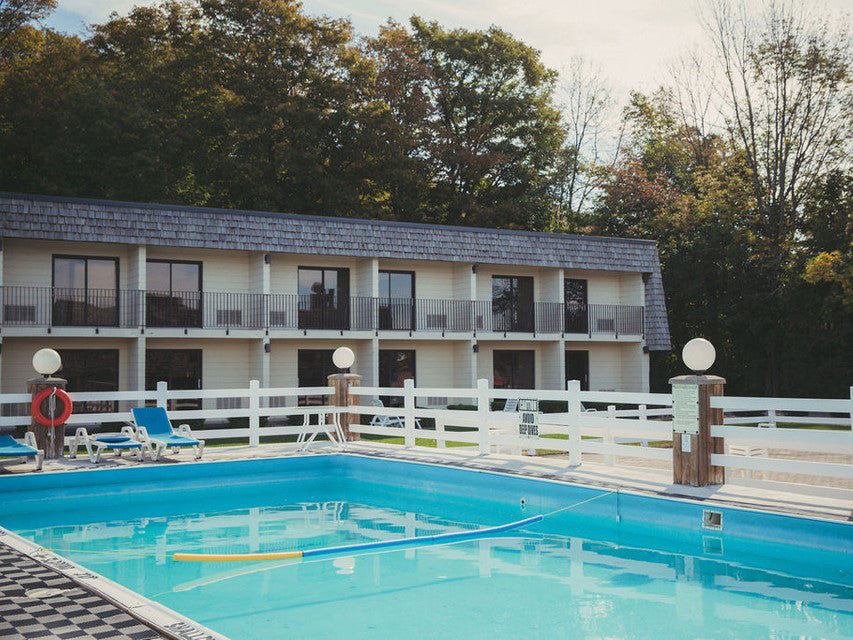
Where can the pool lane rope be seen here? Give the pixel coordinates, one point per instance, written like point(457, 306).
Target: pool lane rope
point(441, 538)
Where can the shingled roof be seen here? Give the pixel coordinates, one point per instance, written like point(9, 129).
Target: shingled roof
point(85, 220)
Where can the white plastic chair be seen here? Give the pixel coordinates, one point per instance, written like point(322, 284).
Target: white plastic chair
point(389, 421)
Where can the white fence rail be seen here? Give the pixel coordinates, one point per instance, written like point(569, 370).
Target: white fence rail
point(771, 440)
point(253, 431)
point(576, 430)
point(767, 454)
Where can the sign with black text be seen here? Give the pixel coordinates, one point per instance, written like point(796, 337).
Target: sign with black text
point(528, 419)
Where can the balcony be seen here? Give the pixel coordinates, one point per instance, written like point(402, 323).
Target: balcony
point(126, 308)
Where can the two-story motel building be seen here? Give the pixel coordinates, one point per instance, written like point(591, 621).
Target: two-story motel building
point(130, 294)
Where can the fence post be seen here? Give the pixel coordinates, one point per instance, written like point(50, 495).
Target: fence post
point(254, 413)
point(609, 459)
point(643, 416)
point(573, 389)
point(440, 441)
point(49, 439)
point(162, 394)
point(409, 412)
point(343, 398)
point(692, 417)
point(483, 413)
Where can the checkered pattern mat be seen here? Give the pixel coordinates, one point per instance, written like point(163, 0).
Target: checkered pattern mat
point(38, 602)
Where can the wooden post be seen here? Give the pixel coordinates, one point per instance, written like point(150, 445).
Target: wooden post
point(343, 398)
point(51, 440)
point(692, 444)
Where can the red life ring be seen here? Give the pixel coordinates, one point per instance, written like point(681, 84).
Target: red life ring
point(55, 421)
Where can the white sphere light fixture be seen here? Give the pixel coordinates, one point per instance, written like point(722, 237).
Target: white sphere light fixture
point(343, 357)
point(699, 355)
point(47, 362)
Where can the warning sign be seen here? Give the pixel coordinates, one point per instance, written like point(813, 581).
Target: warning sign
point(528, 418)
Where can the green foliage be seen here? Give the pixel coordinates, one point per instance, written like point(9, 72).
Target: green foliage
point(254, 104)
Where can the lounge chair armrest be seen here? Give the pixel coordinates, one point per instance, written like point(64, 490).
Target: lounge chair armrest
point(129, 430)
point(30, 439)
point(184, 430)
point(141, 433)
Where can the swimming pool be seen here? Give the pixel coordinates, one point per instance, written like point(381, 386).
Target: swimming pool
point(622, 565)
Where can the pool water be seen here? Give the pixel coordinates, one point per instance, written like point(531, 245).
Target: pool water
point(620, 566)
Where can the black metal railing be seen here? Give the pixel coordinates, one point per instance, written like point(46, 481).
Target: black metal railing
point(614, 319)
point(52, 306)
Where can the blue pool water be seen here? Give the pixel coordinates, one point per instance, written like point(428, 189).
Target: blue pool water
point(620, 566)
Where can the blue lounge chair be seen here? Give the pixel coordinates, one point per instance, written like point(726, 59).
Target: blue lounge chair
point(154, 431)
point(11, 448)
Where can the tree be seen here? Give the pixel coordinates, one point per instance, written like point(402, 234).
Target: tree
point(404, 169)
point(786, 99)
point(494, 129)
point(580, 166)
point(16, 13)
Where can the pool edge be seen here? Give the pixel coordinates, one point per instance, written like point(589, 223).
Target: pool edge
point(159, 618)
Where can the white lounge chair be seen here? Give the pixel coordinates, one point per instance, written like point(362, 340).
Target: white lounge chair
point(389, 421)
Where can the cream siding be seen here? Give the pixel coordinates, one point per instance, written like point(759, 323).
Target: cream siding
point(234, 361)
point(284, 270)
point(486, 362)
point(29, 263)
point(221, 271)
point(18, 358)
point(433, 280)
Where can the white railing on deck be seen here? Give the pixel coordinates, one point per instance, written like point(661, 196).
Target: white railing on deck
point(253, 432)
point(611, 433)
point(622, 430)
point(750, 449)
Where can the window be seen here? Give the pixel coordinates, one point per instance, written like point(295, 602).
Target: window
point(577, 367)
point(91, 370)
point(179, 368)
point(514, 370)
point(85, 291)
point(396, 300)
point(576, 305)
point(395, 366)
point(173, 298)
point(314, 367)
point(512, 303)
point(323, 298)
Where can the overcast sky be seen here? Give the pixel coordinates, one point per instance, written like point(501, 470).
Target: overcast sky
point(632, 41)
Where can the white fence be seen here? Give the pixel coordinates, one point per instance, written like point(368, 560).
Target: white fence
point(627, 429)
point(774, 456)
point(253, 432)
point(611, 433)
